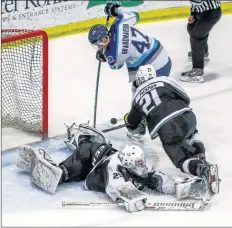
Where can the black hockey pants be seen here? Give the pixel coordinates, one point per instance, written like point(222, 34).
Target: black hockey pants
point(173, 135)
point(199, 33)
point(78, 165)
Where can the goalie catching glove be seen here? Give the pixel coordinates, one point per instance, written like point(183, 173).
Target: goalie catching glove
point(140, 129)
point(78, 134)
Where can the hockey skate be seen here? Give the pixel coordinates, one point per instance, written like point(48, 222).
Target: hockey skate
point(194, 75)
point(209, 172)
point(45, 173)
point(206, 56)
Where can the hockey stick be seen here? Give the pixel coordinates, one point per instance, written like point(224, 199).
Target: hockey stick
point(97, 85)
point(114, 128)
point(199, 205)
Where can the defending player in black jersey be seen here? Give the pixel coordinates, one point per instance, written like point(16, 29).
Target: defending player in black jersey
point(165, 107)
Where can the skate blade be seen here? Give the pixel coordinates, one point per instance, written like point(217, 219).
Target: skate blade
point(46, 175)
point(214, 179)
point(196, 79)
point(26, 158)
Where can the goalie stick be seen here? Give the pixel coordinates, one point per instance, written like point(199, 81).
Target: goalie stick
point(199, 205)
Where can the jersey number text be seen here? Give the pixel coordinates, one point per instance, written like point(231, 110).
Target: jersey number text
point(149, 101)
point(140, 45)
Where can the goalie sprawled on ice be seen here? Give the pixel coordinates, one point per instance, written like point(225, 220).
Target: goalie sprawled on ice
point(122, 174)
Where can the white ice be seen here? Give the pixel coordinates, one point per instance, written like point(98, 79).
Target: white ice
point(72, 79)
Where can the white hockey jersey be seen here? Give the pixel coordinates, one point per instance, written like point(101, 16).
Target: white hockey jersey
point(128, 45)
point(111, 174)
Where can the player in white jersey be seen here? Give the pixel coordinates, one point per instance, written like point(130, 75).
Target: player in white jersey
point(125, 44)
point(122, 174)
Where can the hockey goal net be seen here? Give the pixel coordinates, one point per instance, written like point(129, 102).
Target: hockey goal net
point(25, 80)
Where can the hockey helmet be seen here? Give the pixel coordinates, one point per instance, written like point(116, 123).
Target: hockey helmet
point(145, 73)
point(96, 33)
point(133, 158)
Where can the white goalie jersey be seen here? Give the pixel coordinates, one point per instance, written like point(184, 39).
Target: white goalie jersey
point(116, 175)
point(130, 46)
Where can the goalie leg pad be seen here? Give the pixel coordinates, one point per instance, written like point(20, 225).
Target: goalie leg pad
point(26, 158)
point(194, 188)
point(46, 175)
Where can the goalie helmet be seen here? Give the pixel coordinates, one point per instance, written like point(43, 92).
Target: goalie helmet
point(145, 73)
point(96, 33)
point(133, 158)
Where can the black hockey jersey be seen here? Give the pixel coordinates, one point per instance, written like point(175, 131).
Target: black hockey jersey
point(158, 100)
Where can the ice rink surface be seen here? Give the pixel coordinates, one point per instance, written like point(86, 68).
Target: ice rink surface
point(72, 81)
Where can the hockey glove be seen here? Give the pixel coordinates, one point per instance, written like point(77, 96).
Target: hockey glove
point(134, 200)
point(140, 129)
point(111, 9)
point(100, 56)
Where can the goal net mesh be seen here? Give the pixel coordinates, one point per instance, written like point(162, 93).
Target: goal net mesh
point(23, 77)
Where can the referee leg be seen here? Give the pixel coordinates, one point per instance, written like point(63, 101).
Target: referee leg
point(199, 35)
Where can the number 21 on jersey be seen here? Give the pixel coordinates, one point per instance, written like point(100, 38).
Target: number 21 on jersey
point(149, 101)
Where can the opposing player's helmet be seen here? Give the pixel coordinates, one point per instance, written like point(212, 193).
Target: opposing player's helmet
point(96, 33)
point(145, 73)
point(133, 158)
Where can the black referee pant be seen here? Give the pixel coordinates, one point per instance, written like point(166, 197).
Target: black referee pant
point(199, 33)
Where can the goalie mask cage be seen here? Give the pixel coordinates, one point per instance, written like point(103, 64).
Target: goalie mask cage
point(24, 60)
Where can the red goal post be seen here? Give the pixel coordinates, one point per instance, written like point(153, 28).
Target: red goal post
point(24, 60)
